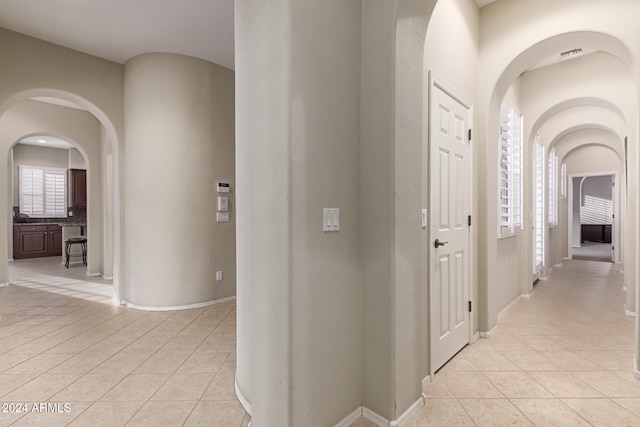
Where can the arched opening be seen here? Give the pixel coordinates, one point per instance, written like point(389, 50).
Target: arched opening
point(53, 112)
point(47, 175)
point(548, 110)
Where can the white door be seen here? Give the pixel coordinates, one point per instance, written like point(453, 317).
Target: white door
point(450, 183)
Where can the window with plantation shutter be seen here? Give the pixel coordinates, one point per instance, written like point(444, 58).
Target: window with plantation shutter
point(538, 200)
point(553, 188)
point(43, 192)
point(510, 171)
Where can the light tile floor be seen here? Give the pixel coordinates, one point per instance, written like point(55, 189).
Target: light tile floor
point(561, 357)
point(62, 341)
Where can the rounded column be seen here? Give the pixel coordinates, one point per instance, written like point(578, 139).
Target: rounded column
point(179, 142)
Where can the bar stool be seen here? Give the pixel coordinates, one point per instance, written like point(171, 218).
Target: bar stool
point(82, 241)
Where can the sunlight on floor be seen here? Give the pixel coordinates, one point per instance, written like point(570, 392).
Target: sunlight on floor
point(50, 275)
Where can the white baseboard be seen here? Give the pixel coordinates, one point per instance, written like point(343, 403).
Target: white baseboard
point(636, 373)
point(4, 285)
point(511, 304)
point(107, 277)
point(351, 418)
point(566, 258)
point(241, 397)
point(426, 381)
point(11, 259)
point(475, 337)
point(488, 334)
point(94, 274)
point(179, 307)
point(629, 312)
point(558, 265)
point(413, 409)
point(375, 418)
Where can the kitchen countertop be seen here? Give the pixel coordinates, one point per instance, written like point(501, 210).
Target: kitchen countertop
point(62, 224)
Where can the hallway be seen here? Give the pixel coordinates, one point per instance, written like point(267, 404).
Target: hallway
point(563, 355)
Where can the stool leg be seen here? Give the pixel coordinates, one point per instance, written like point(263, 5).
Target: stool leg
point(67, 247)
point(84, 253)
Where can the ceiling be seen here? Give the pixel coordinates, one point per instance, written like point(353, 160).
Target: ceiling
point(45, 141)
point(118, 30)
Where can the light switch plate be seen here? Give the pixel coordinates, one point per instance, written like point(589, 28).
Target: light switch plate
point(222, 217)
point(223, 204)
point(424, 218)
point(219, 276)
point(331, 219)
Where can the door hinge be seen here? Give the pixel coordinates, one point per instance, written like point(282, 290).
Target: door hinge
point(613, 248)
point(470, 306)
point(469, 135)
point(469, 220)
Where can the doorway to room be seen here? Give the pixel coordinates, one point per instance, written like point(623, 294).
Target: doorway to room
point(593, 217)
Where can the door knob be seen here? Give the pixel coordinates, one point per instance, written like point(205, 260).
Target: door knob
point(438, 243)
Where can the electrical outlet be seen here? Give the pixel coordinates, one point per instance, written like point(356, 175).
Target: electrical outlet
point(219, 276)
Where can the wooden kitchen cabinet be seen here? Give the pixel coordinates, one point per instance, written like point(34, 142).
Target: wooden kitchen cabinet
point(78, 187)
point(32, 241)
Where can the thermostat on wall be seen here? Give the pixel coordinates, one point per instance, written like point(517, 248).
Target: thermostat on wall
point(223, 187)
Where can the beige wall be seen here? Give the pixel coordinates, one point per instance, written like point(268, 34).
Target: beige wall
point(32, 67)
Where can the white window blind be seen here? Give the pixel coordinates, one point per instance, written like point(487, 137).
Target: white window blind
point(553, 188)
point(563, 181)
point(510, 170)
point(43, 192)
point(538, 223)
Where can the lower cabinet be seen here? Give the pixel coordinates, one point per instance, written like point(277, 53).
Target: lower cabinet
point(32, 241)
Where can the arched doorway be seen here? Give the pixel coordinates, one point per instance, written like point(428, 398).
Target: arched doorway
point(102, 160)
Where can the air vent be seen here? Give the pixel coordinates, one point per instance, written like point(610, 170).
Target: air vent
point(570, 53)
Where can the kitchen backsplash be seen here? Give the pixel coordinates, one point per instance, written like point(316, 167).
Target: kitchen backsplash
point(79, 215)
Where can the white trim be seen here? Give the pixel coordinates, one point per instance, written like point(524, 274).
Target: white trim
point(558, 265)
point(11, 259)
point(426, 381)
point(509, 306)
point(179, 307)
point(377, 419)
point(349, 419)
point(413, 409)
point(636, 373)
point(94, 274)
point(106, 277)
point(475, 337)
point(629, 312)
point(241, 397)
point(4, 285)
point(490, 333)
